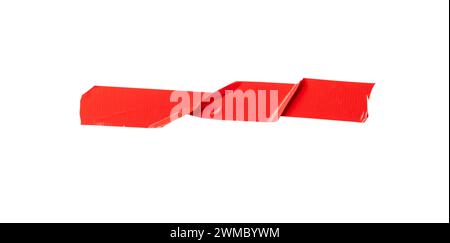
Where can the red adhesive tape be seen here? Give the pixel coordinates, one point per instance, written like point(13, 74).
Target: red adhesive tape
point(240, 101)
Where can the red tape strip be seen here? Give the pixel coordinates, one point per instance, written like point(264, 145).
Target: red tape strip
point(243, 101)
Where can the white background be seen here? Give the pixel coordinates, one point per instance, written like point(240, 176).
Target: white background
point(393, 168)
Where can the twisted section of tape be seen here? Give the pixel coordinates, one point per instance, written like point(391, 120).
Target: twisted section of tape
point(239, 101)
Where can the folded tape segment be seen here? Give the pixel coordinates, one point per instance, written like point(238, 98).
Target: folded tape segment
point(243, 101)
